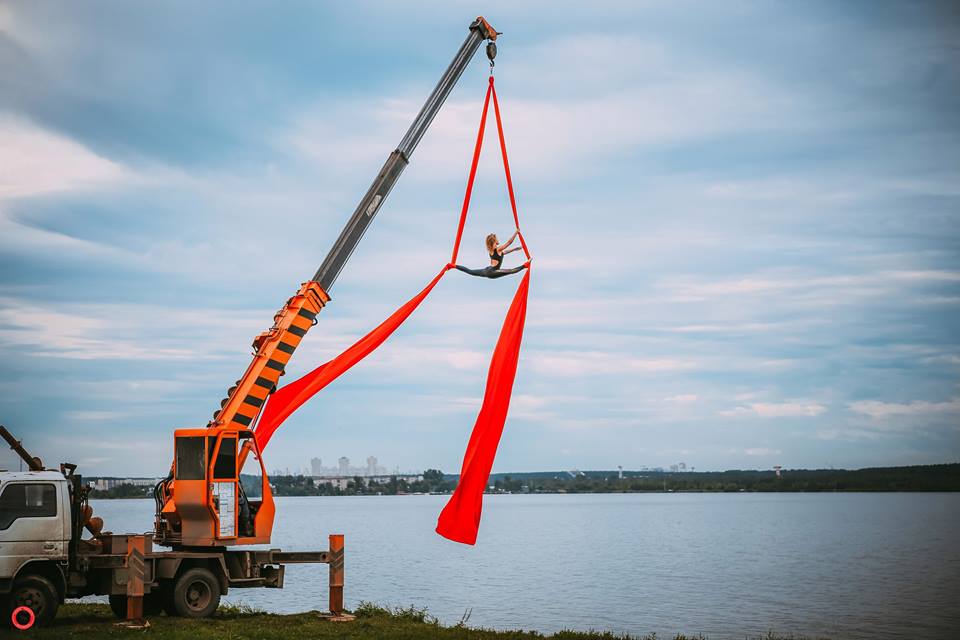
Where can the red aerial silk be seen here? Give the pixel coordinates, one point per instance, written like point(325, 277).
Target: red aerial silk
point(460, 519)
point(288, 398)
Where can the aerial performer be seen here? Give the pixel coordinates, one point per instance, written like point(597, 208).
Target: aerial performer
point(496, 252)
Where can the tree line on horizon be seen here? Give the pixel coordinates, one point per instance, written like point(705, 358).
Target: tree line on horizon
point(937, 477)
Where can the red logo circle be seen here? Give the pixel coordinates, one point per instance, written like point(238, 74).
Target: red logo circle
point(15, 618)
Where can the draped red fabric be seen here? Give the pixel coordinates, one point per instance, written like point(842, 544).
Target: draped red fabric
point(506, 168)
point(473, 173)
point(460, 519)
point(288, 398)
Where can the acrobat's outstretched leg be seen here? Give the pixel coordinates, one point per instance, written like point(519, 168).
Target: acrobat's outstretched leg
point(491, 272)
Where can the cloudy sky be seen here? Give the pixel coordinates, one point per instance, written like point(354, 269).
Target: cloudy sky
point(744, 218)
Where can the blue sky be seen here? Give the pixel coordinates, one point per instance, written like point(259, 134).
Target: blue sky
point(744, 218)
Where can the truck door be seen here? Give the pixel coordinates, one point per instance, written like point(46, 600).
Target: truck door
point(31, 526)
point(223, 486)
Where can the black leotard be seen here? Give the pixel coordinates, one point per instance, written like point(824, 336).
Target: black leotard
point(493, 271)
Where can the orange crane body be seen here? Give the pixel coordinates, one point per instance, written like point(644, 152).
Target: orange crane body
point(194, 512)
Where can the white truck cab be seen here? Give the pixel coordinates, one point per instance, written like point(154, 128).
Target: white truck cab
point(44, 557)
point(34, 519)
point(35, 532)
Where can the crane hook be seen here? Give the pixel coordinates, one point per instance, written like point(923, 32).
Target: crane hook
point(491, 53)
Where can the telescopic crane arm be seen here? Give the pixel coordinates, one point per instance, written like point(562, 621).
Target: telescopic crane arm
point(273, 348)
point(327, 274)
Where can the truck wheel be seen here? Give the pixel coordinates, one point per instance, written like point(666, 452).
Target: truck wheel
point(35, 592)
point(152, 604)
point(196, 593)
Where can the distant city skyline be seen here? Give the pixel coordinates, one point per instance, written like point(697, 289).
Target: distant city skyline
point(342, 469)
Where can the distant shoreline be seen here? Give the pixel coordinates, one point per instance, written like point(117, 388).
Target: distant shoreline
point(936, 478)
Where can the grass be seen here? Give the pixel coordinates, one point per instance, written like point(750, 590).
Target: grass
point(94, 622)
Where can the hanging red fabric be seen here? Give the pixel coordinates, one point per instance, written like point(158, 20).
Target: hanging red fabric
point(460, 519)
point(473, 173)
point(290, 397)
point(506, 169)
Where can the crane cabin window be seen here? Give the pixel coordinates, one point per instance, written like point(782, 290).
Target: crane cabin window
point(27, 500)
point(191, 458)
point(225, 466)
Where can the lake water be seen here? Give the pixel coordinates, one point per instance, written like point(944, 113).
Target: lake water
point(842, 565)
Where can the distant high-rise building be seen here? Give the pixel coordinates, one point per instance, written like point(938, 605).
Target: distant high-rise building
point(343, 468)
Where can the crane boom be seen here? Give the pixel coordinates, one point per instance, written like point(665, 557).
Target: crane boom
point(327, 274)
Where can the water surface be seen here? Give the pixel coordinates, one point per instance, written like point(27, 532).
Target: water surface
point(843, 565)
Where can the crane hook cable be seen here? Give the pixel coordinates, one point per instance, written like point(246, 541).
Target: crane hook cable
point(460, 518)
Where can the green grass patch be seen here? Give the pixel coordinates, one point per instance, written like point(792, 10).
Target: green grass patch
point(241, 622)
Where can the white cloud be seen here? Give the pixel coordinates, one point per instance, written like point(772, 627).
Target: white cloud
point(545, 131)
point(584, 363)
point(797, 289)
point(525, 406)
point(18, 237)
point(127, 332)
point(724, 328)
point(847, 434)
point(402, 359)
point(881, 410)
point(776, 410)
point(686, 398)
point(34, 161)
point(762, 451)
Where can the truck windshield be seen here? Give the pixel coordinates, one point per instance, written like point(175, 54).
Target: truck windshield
point(27, 500)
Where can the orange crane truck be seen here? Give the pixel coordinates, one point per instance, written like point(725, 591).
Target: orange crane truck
point(203, 515)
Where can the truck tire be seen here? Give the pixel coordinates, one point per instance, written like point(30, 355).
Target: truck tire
point(152, 604)
point(35, 592)
point(196, 593)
